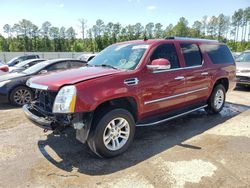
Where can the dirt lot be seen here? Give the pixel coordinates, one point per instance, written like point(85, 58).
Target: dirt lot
point(195, 151)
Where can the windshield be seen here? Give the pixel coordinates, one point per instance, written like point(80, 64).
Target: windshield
point(23, 63)
point(244, 57)
point(10, 61)
point(36, 68)
point(120, 56)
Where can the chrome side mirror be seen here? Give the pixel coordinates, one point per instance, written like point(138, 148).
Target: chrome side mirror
point(159, 64)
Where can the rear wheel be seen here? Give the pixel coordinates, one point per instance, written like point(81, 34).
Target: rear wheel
point(217, 100)
point(21, 96)
point(112, 134)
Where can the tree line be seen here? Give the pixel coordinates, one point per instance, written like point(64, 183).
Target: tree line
point(26, 36)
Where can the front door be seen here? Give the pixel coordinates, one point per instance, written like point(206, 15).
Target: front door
point(161, 89)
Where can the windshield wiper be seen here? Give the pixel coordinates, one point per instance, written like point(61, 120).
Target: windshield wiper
point(106, 65)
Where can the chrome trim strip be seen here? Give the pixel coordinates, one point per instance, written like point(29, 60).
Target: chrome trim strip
point(170, 118)
point(179, 78)
point(174, 96)
point(204, 73)
point(37, 86)
point(176, 69)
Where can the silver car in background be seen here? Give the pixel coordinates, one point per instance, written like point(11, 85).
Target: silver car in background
point(86, 57)
point(243, 69)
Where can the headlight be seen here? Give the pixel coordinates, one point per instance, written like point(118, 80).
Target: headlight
point(4, 82)
point(65, 100)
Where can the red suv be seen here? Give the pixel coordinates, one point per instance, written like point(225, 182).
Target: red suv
point(129, 84)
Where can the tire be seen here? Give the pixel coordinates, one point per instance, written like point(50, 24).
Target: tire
point(21, 95)
point(104, 128)
point(217, 100)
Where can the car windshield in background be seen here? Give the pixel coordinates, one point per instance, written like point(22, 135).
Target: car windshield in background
point(121, 56)
point(36, 68)
point(244, 57)
point(23, 63)
point(10, 61)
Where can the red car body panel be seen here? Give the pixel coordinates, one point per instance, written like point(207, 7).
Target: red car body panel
point(96, 85)
point(69, 77)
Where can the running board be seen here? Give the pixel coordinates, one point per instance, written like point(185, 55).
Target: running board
point(170, 118)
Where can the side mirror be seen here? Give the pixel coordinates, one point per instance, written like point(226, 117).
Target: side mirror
point(43, 72)
point(159, 64)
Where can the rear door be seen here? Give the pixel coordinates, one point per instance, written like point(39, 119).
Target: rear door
point(196, 74)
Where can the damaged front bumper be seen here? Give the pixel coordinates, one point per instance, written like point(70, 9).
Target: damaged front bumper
point(58, 122)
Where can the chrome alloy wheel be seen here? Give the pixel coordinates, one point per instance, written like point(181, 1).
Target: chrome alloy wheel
point(116, 134)
point(219, 99)
point(22, 96)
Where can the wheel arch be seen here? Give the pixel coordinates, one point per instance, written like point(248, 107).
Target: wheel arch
point(14, 87)
point(223, 81)
point(128, 103)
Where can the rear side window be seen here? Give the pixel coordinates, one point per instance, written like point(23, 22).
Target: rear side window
point(59, 66)
point(219, 54)
point(166, 51)
point(76, 64)
point(192, 54)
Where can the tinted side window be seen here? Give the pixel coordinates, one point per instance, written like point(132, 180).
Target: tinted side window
point(58, 66)
point(32, 63)
point(166, 51)
point(192, 54)
point(76, 64)
point(219, 54)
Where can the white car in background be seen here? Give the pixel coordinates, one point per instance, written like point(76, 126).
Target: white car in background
point(86, 57)
point(24, 65)
point(243, 69)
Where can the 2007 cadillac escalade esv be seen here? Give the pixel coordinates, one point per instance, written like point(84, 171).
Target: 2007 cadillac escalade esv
point(129, 84)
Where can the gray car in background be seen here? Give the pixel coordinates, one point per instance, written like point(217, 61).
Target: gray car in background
point(243, 69)
point(24, 65)
point(19, 59)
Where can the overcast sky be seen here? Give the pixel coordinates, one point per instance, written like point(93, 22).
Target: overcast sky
point(67, 12)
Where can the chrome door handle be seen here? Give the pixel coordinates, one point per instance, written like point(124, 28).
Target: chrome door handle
point(204, 73)
point(179, 78)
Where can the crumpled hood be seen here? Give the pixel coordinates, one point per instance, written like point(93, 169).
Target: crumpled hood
point(55, 80)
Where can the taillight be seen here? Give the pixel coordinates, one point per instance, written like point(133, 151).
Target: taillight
point(5, 69)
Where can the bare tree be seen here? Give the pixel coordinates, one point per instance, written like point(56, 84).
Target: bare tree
point(83, 26)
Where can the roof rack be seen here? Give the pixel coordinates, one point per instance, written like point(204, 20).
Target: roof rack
point(188, 38)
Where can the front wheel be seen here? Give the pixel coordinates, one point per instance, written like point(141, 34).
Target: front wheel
point(216, 100)
point(112, 133)
point(21, 96)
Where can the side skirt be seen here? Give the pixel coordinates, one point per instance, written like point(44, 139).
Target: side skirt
point(169, 117)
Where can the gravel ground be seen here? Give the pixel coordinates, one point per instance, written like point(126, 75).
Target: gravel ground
point(197, 150)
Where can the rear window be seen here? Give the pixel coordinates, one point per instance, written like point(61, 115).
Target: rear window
point(219, 54)
point(192, 54)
